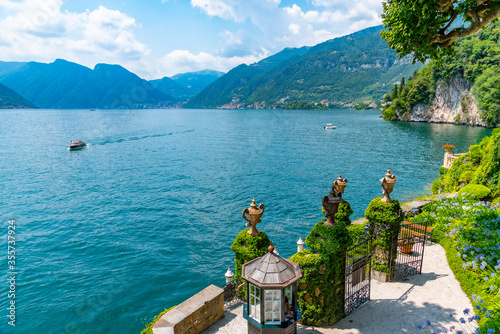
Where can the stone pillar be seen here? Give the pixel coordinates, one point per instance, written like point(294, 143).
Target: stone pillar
point(385, 217)
point(448, 159)
point(322, 290)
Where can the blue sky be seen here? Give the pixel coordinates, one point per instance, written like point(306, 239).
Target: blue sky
point(156, 38)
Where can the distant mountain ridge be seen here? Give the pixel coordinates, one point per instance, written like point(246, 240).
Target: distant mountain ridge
point(354, 68)
point(9, 99)
point(63, 84)
point(185, 85)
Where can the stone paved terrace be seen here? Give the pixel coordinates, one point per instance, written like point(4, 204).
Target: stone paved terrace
point(395, 307)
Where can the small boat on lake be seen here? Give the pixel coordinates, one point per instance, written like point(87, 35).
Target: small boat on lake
point(76, 145)
point(330, 126)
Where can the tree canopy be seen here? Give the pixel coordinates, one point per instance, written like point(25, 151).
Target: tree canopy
point(427, 28)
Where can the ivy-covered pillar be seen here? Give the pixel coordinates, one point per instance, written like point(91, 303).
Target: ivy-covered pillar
point(249, 243)
point(385, 218)
point(322, 288)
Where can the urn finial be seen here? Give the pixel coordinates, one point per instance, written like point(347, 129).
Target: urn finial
point(387, 183)
point(334, 198)
point(252, 216)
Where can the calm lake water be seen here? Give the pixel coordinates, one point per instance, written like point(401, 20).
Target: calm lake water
point(144, 217)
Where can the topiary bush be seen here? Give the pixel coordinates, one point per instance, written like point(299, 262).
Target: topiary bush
point(477, 191)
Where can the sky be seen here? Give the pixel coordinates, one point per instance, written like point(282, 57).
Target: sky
point(157, 38)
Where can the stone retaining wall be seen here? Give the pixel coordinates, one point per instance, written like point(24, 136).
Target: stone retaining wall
point(194, 315)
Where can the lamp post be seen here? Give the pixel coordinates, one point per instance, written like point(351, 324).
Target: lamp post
point(253, 214)
point(229, 275)
point(300, 245)
point(333, 199)
point(387, 183)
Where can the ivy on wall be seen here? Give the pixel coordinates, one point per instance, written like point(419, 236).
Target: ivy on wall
point(322, 287)
point(246, 248)
point(386, 217)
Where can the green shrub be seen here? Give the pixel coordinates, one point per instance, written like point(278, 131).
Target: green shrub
point(477, 191)
point(481, 165)
point(356, 232)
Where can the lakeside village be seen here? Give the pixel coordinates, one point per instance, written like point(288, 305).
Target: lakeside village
point(331, 278)
point(323, 104)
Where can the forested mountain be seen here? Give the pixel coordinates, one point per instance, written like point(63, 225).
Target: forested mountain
point(476, 67)
point(354, 68)
point(64, 84)
point(9, 99)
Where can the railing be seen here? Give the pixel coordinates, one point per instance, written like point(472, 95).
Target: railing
point(229, 291)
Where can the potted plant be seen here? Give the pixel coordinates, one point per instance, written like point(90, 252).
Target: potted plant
point(448, 147)
point(406, 241)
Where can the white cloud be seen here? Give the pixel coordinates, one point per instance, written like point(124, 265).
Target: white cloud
point(39, 30)
point(290, 26)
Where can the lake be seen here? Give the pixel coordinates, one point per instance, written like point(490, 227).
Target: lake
point(144, 217)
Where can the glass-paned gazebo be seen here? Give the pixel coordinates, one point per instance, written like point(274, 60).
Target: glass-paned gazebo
point(272, 294)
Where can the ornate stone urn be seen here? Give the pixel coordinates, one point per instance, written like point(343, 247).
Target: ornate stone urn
point(333, 199)
point(252, 216)
point(388, 185)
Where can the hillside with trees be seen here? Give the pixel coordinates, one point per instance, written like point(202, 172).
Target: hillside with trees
point(9, 99)
point(358, 68)
point(63, 84)
point(477, 61)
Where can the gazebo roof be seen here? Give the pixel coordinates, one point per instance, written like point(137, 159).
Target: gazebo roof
point(271, 270)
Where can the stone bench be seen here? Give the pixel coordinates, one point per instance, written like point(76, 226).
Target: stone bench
point(193, 315)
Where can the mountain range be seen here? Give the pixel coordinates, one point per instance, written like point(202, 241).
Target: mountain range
point(355, 68)
point(67, 85)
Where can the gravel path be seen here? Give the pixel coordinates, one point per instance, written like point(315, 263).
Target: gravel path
point(395, 307)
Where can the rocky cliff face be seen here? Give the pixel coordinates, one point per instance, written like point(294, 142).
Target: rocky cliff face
point(453, 103)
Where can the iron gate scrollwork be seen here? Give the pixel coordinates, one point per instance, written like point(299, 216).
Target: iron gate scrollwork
point(357, 275)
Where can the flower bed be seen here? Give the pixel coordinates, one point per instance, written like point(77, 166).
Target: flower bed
point(470, 233)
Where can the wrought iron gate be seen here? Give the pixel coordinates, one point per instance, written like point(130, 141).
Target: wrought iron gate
point(357, 275)
point(410, 253)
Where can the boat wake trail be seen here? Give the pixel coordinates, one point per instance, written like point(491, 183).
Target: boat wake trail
point(120, 140)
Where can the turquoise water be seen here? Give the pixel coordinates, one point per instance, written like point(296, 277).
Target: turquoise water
point(144, 217)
